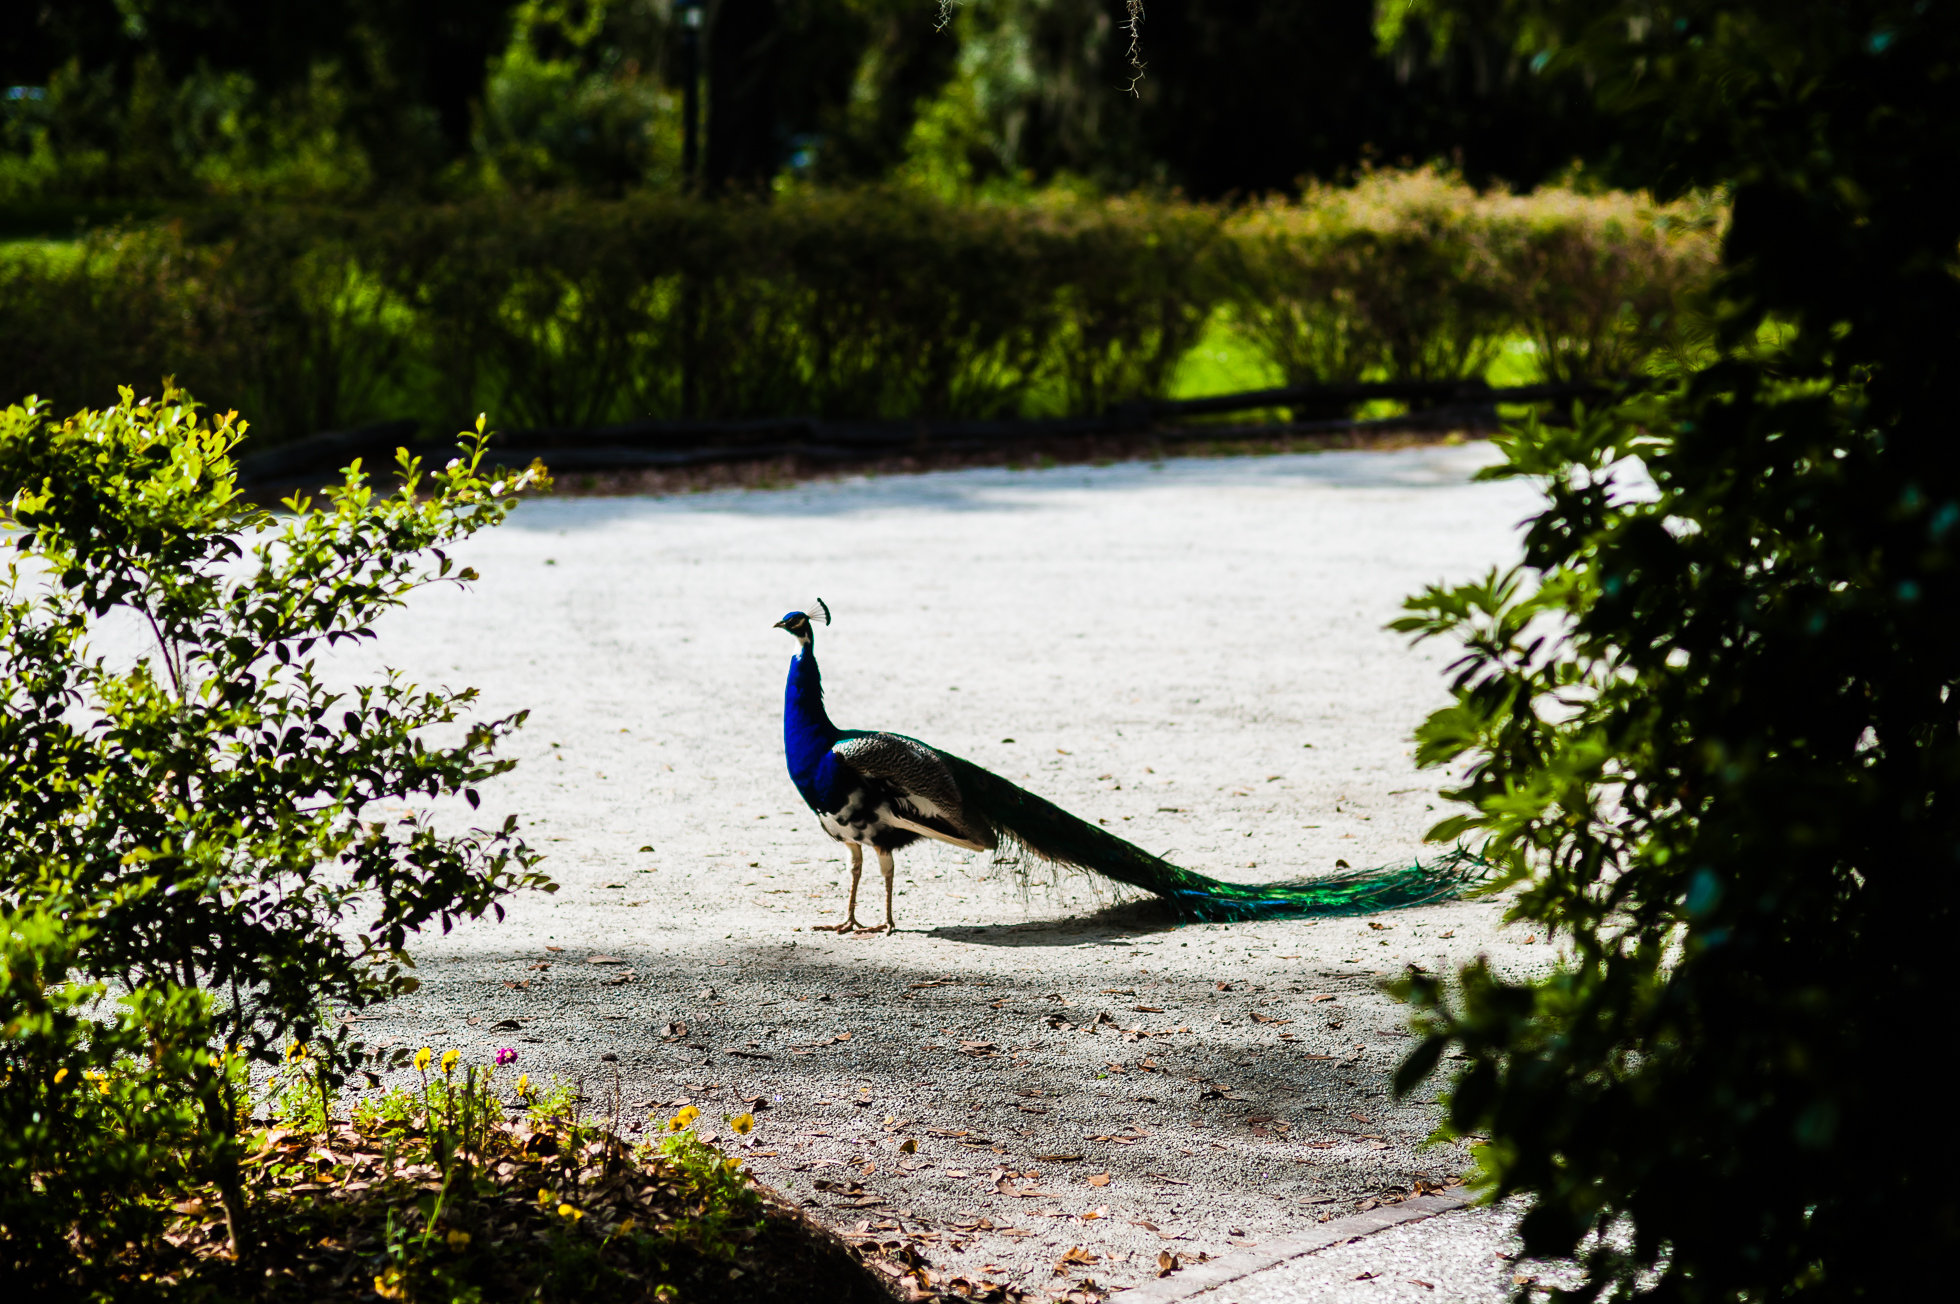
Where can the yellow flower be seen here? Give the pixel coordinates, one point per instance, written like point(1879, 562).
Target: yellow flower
point(625, 1228)
point(683, 1119)
point(544, 1196)
point(60, 1073)
point(524, 1084)
point(295, 1051)
point(457, 1240)
point(742, 1124)
point(389, 1285)
point(566, 1211)
point(449, 1058)
point(422, 1059)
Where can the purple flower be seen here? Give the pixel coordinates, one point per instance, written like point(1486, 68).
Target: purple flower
point(506, 1056)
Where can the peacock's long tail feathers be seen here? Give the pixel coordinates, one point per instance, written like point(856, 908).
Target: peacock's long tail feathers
point(1018, 818)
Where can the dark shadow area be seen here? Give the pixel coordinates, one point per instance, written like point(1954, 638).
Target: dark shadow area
point(1112, 925)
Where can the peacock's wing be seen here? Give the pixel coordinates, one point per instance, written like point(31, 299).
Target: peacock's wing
point(924, 794)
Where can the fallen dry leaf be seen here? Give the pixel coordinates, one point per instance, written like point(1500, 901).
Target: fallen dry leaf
point(1099, 1179)
point(1166, 1262)
point(603, 959)
point(1451, 933)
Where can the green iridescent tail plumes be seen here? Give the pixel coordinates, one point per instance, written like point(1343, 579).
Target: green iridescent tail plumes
point(1027, 822)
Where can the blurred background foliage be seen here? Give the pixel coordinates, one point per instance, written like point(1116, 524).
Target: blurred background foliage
point(356, 210)
point(561, 311)
point(114, 102)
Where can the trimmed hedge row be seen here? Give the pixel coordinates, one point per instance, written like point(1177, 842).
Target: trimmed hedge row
point(561, 313)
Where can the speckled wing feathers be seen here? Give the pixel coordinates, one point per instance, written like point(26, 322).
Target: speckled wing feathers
point(932, 803)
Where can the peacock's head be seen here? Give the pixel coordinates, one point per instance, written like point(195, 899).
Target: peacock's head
point(800, 623)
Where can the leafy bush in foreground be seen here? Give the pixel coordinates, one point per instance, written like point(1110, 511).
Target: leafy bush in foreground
point(95, 1112)
point(1713, 726)
point(203, 799)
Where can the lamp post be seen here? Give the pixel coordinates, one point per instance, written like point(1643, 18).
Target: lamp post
point(690, 13)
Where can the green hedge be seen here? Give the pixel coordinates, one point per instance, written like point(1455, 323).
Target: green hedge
point(879, 303)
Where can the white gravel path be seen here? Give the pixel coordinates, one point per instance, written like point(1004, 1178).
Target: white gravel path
point(1192, 651)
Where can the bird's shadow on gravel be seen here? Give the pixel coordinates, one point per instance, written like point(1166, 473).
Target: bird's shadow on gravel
point(1113, 925)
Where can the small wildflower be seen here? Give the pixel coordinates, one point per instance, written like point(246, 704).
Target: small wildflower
point(60, 1073)
point(524, 1084)
point(295, 1051)
point(505, 1055)
point(422, 1058)
point(449, 1058)
point(544, 1196)
point(458, 1240)
point(566, 1211)
point(683, 1119)
point(742, 1124)
point(389, 1285)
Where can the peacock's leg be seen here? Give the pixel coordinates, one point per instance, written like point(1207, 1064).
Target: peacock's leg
point(888, 867)
point(857, 869)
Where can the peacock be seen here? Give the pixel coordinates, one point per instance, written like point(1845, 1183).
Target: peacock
point(886, 791)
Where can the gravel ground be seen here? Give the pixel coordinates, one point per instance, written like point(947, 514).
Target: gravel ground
point(1192, 651)
point(1467, 1257)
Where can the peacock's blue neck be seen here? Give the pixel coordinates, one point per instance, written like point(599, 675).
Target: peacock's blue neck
point(808, 733)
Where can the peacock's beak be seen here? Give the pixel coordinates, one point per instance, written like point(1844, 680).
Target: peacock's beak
point(781, 624)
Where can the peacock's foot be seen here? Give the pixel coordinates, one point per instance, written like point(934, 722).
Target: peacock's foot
point(849, 925)
point(886, 928)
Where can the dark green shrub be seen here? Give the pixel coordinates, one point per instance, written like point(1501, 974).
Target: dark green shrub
point(1712, 727)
